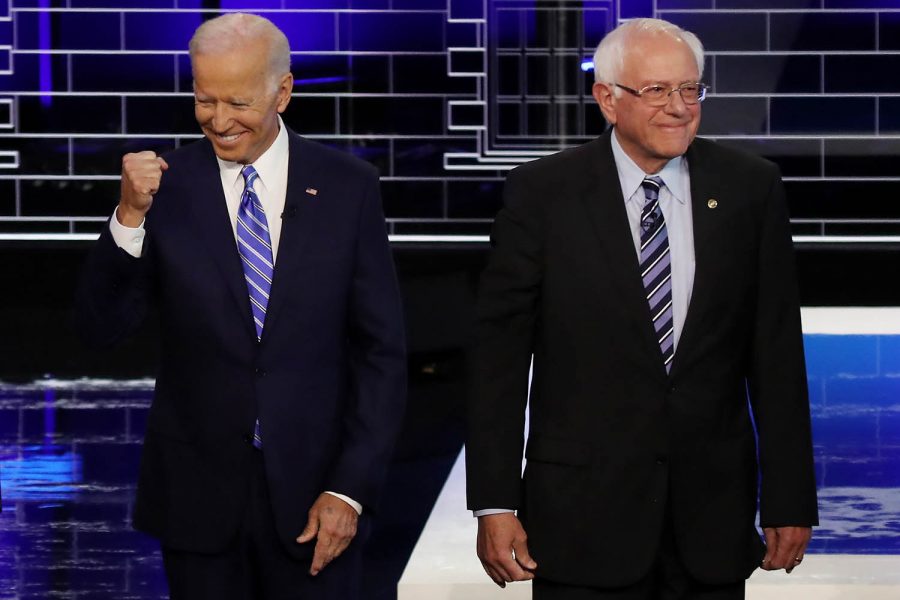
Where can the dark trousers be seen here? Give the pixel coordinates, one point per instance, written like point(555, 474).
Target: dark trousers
point(668, 579)
point(257, 566)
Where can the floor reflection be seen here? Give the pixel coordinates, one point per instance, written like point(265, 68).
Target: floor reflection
point(69, 452)
point(68, 456)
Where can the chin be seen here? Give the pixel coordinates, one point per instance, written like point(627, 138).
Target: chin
point(228, 154)
point(675, 149)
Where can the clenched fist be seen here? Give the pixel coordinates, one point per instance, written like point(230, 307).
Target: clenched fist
point(141, 174)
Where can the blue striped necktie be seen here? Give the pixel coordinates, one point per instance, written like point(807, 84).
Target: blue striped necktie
point(656, 268)
point(255, 248)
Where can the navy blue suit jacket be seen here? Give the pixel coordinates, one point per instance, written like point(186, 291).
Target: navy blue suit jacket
point(327, 380)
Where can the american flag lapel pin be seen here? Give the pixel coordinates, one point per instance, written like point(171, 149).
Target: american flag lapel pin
point(312, 191)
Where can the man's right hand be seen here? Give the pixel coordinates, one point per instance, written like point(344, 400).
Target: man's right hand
point(502, 549)
point(141, 174)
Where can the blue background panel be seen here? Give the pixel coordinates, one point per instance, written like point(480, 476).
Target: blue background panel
point(718, 31)
point(159, 30)
point(837, 115)
point(776, 68)
point(769, 73)
point(823, 31)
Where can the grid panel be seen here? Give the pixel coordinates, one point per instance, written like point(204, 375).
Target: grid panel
point(444, 96)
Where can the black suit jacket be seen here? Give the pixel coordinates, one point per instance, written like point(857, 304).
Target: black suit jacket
point(327, 380)
point(614, 441)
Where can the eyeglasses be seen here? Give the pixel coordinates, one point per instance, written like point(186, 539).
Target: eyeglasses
point(691, 92)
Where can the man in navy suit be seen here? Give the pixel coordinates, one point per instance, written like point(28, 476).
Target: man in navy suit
point(282, 378)
point(650, 274)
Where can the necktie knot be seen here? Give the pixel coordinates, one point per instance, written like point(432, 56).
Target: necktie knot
point(651, 211)
point(250, 176)
point(652, 186)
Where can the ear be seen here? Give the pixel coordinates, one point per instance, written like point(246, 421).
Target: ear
point(606, 99)
point(285, 86)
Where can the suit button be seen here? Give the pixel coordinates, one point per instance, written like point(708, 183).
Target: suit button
point(660, 460)
point(260, 372)
point(672, 389)
point(247, 438)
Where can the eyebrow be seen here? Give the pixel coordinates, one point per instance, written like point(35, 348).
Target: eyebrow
point(236, 100)
point(667, 83)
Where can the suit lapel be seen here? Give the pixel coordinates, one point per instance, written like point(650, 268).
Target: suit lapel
point(605, 206)
point(210, 213)
point(705, 194)
point(297, 220)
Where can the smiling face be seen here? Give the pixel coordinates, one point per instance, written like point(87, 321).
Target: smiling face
point(236, 103)
point(650, 135)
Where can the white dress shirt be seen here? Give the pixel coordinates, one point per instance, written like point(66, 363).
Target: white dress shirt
point(270, 187)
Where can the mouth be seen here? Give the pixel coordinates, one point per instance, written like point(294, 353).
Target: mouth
point(675, 128)
point(227, 139)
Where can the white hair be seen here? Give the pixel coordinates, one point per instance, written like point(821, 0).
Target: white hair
point(233, 31)
point(609, 57)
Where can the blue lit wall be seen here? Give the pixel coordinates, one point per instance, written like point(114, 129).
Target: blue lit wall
point(444, 96)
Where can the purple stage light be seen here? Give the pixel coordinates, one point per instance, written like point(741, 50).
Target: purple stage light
point(44, 68)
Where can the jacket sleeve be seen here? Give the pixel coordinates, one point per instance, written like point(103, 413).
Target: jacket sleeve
point(777, 378)
point(378, 361)
point(113, 292)
point(499, 360)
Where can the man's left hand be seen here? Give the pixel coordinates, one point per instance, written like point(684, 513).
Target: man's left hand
point(333, 522)
point(785, 547)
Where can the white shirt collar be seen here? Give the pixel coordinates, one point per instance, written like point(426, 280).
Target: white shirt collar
point(674, 173)
point(267, 165)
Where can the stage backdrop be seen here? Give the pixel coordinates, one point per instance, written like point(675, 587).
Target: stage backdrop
point(444, 96)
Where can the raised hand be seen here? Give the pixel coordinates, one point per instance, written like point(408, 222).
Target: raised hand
point(141, 175)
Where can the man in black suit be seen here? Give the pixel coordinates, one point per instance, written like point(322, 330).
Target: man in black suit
point(651, 277)
point(282, 377)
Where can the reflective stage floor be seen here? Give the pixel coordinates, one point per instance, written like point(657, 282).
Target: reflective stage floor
point(69, 452)
point(69, 455)
point(853, 365)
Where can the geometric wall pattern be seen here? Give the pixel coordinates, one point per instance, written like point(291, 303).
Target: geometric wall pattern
point(444, 96)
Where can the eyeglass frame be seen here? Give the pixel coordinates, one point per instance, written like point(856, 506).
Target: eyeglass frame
point(701, 96)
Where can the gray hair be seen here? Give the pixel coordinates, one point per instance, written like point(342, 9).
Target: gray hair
point(233, 31)
point(610, 54)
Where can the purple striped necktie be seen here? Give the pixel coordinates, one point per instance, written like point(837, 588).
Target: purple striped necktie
point(656, 268)
point(255, 248)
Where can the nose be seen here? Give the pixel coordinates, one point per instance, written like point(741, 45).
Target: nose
point(221, 117)
point(675, 104)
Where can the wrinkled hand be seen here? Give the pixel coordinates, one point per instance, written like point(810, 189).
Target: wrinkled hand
point(784, 546)
point(502, 549)
point(141, 175)
point(333, 522)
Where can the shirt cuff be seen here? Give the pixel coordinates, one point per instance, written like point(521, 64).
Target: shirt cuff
point(356, 505)
point(129, 239)
point(491, 511)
